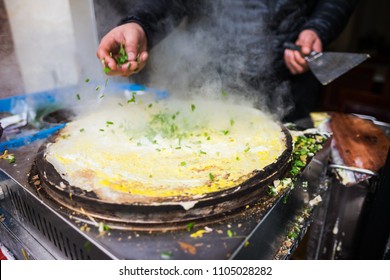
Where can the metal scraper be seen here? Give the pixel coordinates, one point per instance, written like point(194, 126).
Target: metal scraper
point(327, 66)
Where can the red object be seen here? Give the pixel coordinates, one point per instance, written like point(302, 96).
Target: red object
point(5, 254)
point(2, 256)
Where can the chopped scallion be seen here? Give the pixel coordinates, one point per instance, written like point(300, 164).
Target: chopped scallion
point(106, 69)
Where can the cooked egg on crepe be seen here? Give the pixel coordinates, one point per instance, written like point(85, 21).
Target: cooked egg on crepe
point(169, 148)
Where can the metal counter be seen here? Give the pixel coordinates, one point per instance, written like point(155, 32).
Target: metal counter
point(36, 227)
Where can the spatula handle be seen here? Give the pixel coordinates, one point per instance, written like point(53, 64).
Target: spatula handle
point(292, 46)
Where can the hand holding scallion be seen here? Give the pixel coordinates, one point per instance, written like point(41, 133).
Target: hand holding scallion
point(123, 51)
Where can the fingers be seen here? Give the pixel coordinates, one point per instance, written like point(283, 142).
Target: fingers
point(317, 45)
point(123, 50)
point(107, 46)
point(131, 67)
point(295, 62)
point(309, 41)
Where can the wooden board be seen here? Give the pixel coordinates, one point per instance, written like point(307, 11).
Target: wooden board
point(359, 142)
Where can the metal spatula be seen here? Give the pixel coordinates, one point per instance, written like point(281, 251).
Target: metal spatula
point(327, 66)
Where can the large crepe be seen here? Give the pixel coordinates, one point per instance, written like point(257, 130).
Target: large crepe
point(166, 148)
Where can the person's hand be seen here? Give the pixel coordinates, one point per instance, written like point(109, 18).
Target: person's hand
point(132, 38)
point(309, 41)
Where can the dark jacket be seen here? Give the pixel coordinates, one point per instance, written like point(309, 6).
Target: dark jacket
point(245, 43)
point(262, 26)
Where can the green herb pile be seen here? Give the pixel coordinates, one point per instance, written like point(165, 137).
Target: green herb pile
point(305, 147)
point(120, 58)
point(165, 125)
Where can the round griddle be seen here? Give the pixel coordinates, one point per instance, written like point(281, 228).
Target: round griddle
point(155, 211)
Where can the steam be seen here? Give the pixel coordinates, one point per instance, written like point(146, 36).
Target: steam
point(206, 60)
point(211, 60)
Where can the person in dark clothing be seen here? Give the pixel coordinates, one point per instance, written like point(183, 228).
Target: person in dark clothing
point(248, 33)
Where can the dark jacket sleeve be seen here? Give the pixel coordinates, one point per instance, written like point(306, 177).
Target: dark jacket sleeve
point(157, 17)
point(329, 18)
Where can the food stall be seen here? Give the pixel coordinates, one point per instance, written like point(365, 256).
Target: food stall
point(272, 212)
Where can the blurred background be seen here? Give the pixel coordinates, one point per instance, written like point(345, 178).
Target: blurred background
point(49, 44)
